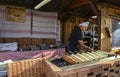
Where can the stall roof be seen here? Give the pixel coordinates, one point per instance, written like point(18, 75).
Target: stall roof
point(74, 7)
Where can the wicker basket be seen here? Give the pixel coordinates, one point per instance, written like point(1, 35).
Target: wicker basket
point(25, 68)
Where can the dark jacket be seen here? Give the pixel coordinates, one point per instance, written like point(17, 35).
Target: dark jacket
point(75, 35)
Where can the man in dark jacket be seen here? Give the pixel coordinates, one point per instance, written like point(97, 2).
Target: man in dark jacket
point(76, 38)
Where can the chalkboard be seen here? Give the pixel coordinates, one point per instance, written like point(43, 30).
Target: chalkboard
point(115, 33)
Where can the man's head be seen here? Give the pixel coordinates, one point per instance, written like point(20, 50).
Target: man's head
point(84, 25)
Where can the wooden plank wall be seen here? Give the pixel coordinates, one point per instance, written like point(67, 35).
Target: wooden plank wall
point(28, 41)
point(68, 26)
point(106, 21)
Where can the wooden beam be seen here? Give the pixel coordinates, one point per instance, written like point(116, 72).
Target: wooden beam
point(94, 7)
point(75, 4)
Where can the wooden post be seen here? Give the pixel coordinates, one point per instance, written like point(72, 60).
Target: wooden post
point(106, 22)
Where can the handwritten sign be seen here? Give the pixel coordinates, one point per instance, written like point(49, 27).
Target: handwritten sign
point(15, 13)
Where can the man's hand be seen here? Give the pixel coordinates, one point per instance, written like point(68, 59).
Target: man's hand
point(81, 43)
point(90, 49)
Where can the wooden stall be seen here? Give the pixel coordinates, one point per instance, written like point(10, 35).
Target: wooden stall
point(104, 67)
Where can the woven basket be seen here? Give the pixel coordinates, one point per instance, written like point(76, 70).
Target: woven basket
point(25, 68)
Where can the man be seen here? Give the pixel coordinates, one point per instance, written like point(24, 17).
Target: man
point(76, 38)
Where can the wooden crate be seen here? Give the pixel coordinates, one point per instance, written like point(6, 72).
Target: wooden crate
point(69, 73)
point(114, 70)
point(48, 71)
point(31, 68)
point(105, 70)
point(25, 68)
point(89, 71)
